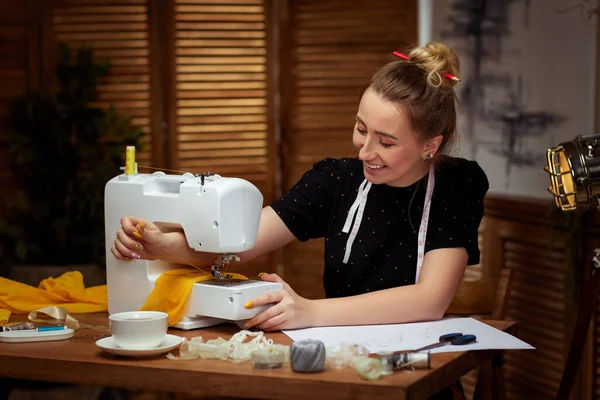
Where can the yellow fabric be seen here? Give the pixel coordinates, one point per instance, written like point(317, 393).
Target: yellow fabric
point(169, 295)
point(65, 291)
point(173, 289)
point(4, 316)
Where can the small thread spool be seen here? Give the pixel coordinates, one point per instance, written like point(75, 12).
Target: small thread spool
point(268, 359)
point(130, 160)
point(307, 356)
point(411, 360)
point(387, 366)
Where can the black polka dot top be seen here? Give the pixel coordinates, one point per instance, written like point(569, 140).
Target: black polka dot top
point(384, 253)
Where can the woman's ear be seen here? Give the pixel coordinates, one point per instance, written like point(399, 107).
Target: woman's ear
point(431, 146)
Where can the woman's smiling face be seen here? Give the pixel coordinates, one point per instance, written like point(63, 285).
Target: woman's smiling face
point(387, 145)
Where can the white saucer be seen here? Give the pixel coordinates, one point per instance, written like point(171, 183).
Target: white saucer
point(110, 346)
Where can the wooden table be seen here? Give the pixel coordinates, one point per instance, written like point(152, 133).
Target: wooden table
point(80, 361)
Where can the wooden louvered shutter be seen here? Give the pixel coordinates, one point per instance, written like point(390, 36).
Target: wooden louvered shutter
point(219, 117)
point(118, 32)
point(542, 283)
point(330, 50)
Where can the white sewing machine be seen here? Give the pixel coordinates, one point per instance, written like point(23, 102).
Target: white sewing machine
point(218, 215)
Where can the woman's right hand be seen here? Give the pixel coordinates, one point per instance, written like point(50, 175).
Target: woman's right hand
point(138, 239)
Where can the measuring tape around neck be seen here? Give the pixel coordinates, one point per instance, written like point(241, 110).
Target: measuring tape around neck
point(357, 209)
point(424, 222)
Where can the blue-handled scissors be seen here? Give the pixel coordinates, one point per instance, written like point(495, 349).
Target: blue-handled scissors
point(456, 339)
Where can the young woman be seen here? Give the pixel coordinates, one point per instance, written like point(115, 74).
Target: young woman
point(400, 221)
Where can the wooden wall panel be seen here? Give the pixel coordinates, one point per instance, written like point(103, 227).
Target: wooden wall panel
point(220, 119)
point(118, 31)
point(19, 64)
point(517, 235)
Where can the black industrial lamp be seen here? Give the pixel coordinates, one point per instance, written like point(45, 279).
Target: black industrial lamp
point(574, 169)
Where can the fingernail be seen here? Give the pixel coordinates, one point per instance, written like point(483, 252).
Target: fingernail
point(126, 258)
point(139, 247)
point(141, 225)
point(247, 325)
point(248, 304)
point(262, 273)
point(136, 235)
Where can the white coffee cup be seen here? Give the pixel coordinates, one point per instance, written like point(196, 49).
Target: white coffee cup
point(139, 329)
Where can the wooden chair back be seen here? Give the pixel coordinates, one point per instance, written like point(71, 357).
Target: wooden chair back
point(487, 298)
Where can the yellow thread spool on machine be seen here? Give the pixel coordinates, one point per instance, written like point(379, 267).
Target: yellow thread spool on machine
point(130, 164)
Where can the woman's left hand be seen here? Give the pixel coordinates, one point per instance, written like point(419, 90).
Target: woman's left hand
point(289, 310)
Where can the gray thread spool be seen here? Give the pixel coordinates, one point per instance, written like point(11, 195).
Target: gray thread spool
point(307, 356)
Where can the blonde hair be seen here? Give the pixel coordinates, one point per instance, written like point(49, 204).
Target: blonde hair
point(420, 87)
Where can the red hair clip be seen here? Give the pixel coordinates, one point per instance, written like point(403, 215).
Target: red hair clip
point(450, 76)
point(405, 57)
point(401, 55)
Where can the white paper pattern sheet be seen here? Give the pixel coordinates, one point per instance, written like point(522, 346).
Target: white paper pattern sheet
point(412, 336)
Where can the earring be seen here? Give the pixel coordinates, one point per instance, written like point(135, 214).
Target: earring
point(428, 157)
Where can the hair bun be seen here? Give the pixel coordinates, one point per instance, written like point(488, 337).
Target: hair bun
point(438, 59)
